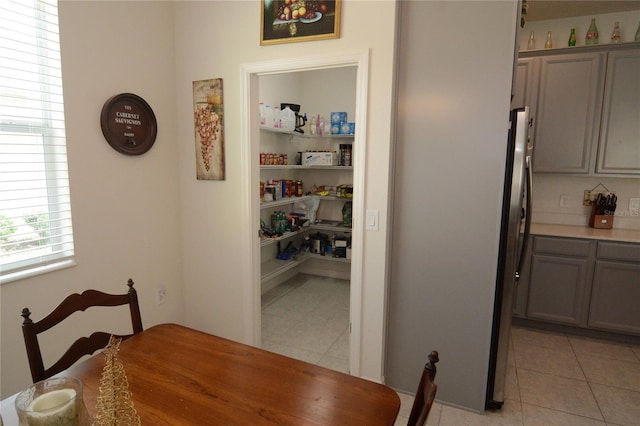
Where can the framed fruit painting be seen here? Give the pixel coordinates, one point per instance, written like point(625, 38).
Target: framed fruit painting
point(287, 21)
point(208, 119)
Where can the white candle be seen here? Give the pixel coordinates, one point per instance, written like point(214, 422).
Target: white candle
point(57, 407)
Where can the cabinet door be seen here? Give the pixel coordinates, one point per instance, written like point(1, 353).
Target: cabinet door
point(526, 85)
point(619, 148)
point(568, 113)
point(557, 289)
point(615, 297)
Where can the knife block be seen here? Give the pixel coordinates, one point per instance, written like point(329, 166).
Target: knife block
point(600, 221)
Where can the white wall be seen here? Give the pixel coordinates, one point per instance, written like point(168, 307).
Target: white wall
point(125, 209)
point(215, 39)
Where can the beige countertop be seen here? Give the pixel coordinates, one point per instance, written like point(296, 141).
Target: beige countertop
point(570, 231)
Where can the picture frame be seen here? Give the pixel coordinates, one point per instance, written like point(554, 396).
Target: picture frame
point(289, 21)
point(208, 115)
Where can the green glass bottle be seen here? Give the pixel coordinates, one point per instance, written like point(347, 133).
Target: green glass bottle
point(592, 33)
point(572, 37)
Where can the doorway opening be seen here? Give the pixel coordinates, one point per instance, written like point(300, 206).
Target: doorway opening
point(286, 78)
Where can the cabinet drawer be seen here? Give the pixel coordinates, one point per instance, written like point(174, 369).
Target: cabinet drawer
point(619, 251)
point(566, 246)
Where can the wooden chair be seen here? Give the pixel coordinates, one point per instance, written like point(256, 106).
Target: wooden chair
point(84, 345)
point(426, 393)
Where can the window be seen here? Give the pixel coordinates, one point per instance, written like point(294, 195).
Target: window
point(35, 209)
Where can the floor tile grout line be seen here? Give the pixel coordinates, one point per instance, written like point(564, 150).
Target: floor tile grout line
point(584, 373)
point(563, 412)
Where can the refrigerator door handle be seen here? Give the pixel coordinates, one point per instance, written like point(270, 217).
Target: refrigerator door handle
point(527, 218)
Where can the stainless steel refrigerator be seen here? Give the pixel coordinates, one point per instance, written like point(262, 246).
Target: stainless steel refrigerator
point(514, 237)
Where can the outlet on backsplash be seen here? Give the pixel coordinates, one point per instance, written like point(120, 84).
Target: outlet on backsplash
point(564, 200)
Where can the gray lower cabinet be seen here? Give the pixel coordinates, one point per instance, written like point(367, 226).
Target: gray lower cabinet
point(615, 298)
point(581, 283)
point(557, 288)
point(559, 280)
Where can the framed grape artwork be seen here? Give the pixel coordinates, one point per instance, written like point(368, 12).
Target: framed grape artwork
point(287, 21)
point(208, 119)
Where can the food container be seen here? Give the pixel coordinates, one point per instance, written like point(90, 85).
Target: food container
point(319, 159)
point(338, 118)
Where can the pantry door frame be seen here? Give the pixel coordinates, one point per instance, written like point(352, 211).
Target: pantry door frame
point(250, 147)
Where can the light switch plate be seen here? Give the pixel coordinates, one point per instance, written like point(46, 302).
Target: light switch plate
point(372, 219)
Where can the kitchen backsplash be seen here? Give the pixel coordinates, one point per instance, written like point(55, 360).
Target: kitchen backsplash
point(548, 190)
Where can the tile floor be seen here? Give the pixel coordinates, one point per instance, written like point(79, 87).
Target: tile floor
point(553, 378)
point(307, 318)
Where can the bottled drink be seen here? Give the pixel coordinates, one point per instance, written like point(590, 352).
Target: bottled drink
point(532, 41)
point(592, 33)
point(312, 125)
point(572, 37)
point(637, 37)
point(548, 44)
point(615, 35)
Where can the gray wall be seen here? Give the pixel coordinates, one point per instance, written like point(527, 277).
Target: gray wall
point(454, 82)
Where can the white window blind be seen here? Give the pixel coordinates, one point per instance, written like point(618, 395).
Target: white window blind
point(35, 211)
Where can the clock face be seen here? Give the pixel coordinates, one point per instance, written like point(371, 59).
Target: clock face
point(128, 124)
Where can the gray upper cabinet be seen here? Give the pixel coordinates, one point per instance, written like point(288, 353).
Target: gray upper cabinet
point(526, 89)
point(526, 84)
point(568, 112)
point(619, 148)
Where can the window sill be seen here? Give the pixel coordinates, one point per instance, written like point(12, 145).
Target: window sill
point(35, 271)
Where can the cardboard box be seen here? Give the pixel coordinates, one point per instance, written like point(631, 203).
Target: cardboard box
point(319, 159)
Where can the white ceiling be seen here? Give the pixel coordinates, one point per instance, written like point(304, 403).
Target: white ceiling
point(541, 10)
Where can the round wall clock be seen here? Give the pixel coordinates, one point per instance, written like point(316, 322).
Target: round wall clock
point(128, 124)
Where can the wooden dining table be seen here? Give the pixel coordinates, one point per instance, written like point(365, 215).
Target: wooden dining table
point(181, 376)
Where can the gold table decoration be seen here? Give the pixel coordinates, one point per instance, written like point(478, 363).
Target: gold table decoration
point(114, 404)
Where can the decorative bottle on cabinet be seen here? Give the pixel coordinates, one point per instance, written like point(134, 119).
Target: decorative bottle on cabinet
point(548, 44)
point(615, 35)
point(637, 37)
point(532, 41)
point(592, 33)
point(572, 37)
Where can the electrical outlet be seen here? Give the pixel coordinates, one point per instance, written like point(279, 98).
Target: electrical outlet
point(634, 206)
point(161, 294)
point(564, 200)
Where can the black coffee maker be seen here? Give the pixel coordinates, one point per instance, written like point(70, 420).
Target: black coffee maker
point(300, 120)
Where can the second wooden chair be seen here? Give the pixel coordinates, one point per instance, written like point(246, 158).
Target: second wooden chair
point(426, 393)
